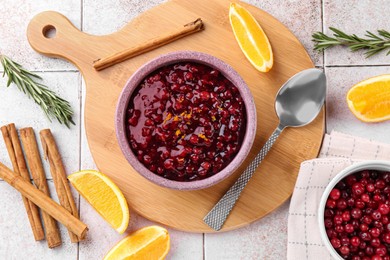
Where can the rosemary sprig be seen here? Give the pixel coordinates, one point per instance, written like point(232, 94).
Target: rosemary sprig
point(51, 104)
point(373, 43)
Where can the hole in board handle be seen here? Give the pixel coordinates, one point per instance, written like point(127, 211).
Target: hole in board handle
point(49, 31)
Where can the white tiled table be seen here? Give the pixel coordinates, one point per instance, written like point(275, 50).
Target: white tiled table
point(264, 239)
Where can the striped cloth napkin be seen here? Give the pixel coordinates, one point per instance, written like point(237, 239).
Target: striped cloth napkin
point(338, 151)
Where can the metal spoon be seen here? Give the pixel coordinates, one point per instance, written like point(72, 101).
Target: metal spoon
point(297, 103)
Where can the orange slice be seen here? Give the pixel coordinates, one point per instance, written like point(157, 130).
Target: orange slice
point(369, 100)
point(251, 38)
point(149, 243)
point(104, 196)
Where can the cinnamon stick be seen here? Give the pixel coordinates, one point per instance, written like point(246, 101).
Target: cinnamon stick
point(43, 201)
point(34, 162)
point(15, 153)
point(149, 45)
point(59, 176)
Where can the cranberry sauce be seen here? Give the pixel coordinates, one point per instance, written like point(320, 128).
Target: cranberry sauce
point(357, 216)
point(186, 121)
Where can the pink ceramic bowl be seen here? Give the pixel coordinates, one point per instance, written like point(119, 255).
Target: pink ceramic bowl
point(171, 58)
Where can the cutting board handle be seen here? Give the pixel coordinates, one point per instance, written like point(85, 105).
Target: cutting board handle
point(52, 34)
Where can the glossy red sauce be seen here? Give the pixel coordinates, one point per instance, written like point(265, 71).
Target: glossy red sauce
point(186, 121)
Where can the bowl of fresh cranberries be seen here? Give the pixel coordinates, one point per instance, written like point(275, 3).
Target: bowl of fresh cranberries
point(185, 120)
point(354, 212)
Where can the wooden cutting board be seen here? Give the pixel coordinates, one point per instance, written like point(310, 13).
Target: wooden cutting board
point(275, 178)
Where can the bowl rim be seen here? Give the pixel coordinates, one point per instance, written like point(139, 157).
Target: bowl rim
point(170, 58)
point(380, 165)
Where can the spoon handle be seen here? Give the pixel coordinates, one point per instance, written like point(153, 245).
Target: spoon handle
point(219, 213)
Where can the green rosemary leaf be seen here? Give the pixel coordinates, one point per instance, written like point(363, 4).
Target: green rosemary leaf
point(373, 44)
point(52, 105)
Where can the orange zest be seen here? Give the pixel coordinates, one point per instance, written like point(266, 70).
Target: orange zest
point(369, 100)
point(149, 243)
point(251, 38)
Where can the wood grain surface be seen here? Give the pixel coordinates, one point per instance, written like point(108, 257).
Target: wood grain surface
point(275, 178)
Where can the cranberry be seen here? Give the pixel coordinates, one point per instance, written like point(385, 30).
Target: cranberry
point(335, 242)
point(369, 250)
point(380, 184)
point(370, 187)
point(344, 250)
point(356, 213)
point(339, 229)
point(346, 216)
point(331, 203)
point(363, 227)
point(365, 197)
point(341, 204)
point(375, 242)
point(386, 238)
point(384, 209)
point(376, 215)
point(381, 250)
point(365, 236)
point(355, 241)
point(357, 189)
point(375, 232)
point(338, 220)
point(335, 194)
point(348, 228)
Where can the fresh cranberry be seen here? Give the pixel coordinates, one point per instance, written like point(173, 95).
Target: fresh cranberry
point(348, 228)
point(338, 220)
point(341, 204)
point(365, 236)
point(357, 189)
point(381, 250)
point(335, 242)
point(376, 215)
point(346, 216)
point(380, 184)
point(375, 242)
point(339, 228)
point(369, 250)
point(370, 187)
point(363, 227)
point(384, 209)
point(335, 194)
point(365, 197)
point(355, 241)
point(386, 238)
point(344, 250)
point(356, 213)
point(375, 232)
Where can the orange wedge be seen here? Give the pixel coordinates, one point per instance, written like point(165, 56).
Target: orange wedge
point(369, 100)
point(149, 243)
point(104, 196)
point(251, 38)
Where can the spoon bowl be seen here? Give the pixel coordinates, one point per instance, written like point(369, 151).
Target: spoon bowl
point(297, 103)
point(300, 99)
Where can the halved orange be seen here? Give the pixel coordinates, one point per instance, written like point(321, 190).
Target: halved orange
point(369, 100)
point(251, 38)
point(149, 243)
point(104, 196)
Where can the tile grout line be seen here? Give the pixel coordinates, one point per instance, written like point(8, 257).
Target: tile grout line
point(204, 246)
point(80, 118)
point(80, 132)
point(323, 29)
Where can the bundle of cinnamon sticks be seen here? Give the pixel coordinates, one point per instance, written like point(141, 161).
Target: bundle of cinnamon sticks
point(38, 196)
